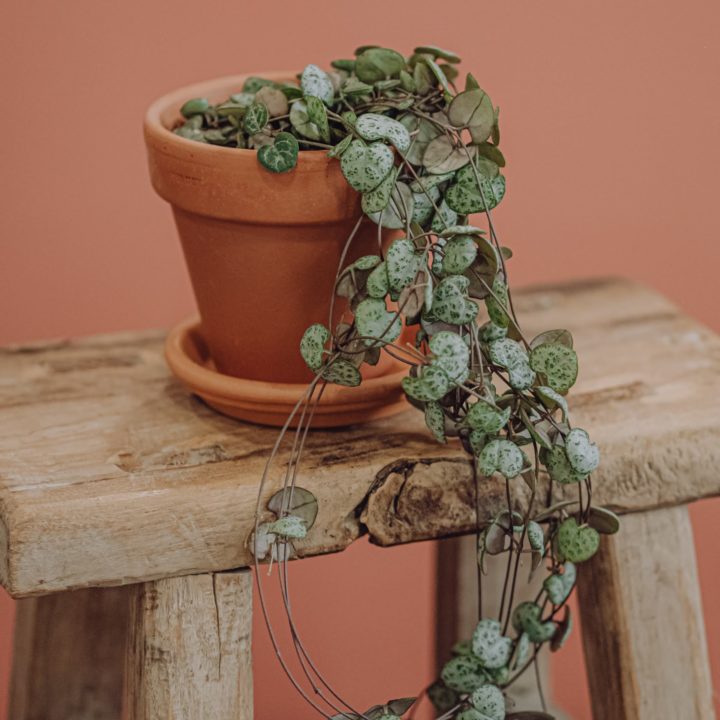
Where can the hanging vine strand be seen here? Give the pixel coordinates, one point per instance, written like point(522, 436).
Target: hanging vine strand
point(425, 157)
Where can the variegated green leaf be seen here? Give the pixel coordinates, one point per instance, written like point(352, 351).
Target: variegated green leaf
point(317, 83)
point(312, 345)
point(371, 126)
point(366, 166)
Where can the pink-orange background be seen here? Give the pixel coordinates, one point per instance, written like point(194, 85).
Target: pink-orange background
point(611, 120)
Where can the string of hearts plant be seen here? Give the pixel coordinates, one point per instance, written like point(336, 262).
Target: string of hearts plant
point(425, 157)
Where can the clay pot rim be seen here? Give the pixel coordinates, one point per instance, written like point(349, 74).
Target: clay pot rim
point(154, 125)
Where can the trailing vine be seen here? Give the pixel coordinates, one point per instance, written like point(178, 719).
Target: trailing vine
point(425, 156)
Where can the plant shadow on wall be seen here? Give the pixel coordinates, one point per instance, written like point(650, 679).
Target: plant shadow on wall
point(436, 297)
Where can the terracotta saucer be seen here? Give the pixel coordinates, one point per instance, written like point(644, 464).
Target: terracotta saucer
point(269, 403)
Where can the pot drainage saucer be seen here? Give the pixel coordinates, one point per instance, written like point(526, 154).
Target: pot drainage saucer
point(269, 403)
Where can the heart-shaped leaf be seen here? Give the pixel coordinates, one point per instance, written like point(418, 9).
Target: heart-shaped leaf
point(195, 106)
point(463, 674)
point(559, 467)
point(380, 127)
point(536, 536)
point(559, 586)
point(424, 204)
point(558, 363)
point(490, 646)
point(451, 354)
point(435, 420)
point(502, 456)
point(373, 320)
point(403, 263)
point(432, 182)
point(289, 527)
point(353, 87)
point(460, 254)
point(450, 301)
point(282, 155)
point(552, 399)
point(431, 383)
point(295, 501)
point(474, 110)
point(442, 697)
point(300, 120)
point(256, 118)
point(553, 337)
point(584, 455)
point(312, 345)
point(342, 372)
point(497, 535)
point(444, 217)
point(477, 440)
point(510, 355)
point(317, 83)
point(442, 156)
point(274, 100)
point(491, 152)
point(377, 282)
point(317, 114)
point(527, 618)
point(486, 417)
point(497, 304)
point(375, 64)
point(603, 520)
point(399, 211)
point(467, 199)
point(366, 166)
point(488, 700)
point(577, 543)
point(377, 200)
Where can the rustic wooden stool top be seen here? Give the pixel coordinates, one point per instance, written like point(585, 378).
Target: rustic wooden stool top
point(111, 475)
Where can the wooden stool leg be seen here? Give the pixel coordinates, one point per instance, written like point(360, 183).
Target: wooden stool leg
point(68, 656)
point(189, 648)
point(458, 610)
point(643, 629)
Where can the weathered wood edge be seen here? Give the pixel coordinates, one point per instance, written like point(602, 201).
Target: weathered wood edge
point(424, 494)
point(419, 499)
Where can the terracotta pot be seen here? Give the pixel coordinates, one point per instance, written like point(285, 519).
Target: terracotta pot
point(262, 250)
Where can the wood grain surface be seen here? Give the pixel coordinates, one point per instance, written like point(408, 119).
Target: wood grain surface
point(110, 473)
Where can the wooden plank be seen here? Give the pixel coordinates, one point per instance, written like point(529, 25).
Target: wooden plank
point(189, 650)
point(643, 629)
point(69, 655)
point(111, 474)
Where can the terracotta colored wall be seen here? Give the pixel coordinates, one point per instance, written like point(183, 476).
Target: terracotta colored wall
point(611, 125)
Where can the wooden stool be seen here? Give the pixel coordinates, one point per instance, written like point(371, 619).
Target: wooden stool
point(125, 503)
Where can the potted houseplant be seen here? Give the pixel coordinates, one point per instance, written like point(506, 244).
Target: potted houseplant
point(262, 250)
point(423, 156)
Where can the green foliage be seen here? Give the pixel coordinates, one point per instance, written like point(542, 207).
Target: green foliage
point(575, 542)
point(423, 154)
point(490, 646)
